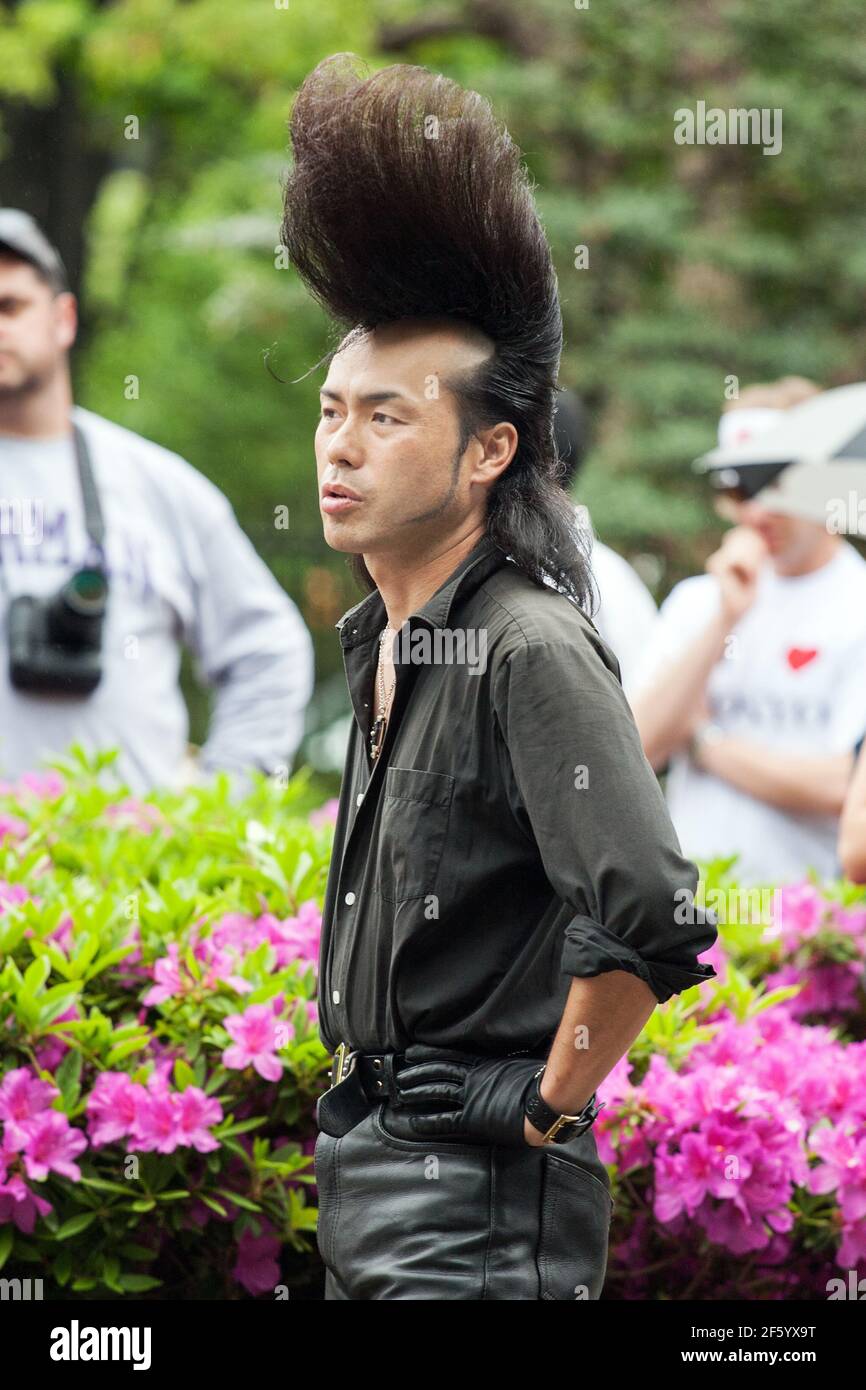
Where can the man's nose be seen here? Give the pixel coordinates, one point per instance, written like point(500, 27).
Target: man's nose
point(752, 513)
point(344, 445)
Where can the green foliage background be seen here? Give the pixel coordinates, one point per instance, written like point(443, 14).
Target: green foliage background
point(704, 261)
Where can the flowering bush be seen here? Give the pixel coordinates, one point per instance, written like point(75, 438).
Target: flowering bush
point(735, 1130)
point(161, 1062)
point(161, 1059)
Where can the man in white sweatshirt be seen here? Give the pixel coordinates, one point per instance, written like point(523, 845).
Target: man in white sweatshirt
point(178, 567)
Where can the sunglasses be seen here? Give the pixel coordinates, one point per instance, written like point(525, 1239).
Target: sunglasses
point(742, 484)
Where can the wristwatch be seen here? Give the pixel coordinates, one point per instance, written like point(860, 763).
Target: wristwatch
point(555, 1127)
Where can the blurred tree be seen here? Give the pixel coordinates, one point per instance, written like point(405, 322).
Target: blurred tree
point(149, 136)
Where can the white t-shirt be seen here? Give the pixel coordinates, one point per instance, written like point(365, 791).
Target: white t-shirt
point(793, 679)
point(180, 569)
point(626, 610)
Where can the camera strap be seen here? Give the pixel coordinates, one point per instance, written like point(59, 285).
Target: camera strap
point(94, 522)
point(93, 519)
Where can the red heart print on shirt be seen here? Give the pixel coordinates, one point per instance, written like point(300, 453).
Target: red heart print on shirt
point(801, 656)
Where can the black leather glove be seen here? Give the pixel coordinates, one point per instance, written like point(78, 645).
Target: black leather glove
point(455, 1098)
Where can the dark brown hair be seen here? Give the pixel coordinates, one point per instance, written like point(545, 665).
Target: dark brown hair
point(407, 200)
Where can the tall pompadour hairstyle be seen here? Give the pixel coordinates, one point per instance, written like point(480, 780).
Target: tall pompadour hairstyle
point(408, 199)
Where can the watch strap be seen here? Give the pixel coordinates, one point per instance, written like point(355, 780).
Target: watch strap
point(556, 1127)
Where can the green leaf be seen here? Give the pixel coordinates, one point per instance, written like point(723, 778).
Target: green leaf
point(138, 1283)
point(68, 1078)
point(54, 954)
point(213, 1204)
point(285, 1153)
point(125, 1049)
point(241, 1127)
point(35, 976)
point(183, 1074)
point(7, 1240)
point(108, 958)
point(102, 1185)
point(111, 1273)
point(87, 944)
point(238, 1200)
point(131, 1251)
point(75, 1225)
point(56, 1001)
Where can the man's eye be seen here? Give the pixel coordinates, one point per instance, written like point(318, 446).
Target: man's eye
point(327, 412)
point(379, 415)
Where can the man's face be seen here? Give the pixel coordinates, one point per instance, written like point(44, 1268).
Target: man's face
point(37, 328)
point(788, 538)
point(389, 435)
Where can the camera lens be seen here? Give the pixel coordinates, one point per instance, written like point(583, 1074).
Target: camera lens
point(86, 591)
point(75, 615)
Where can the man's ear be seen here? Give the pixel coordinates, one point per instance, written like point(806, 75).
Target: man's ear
point(66, 311)
point(498, 445)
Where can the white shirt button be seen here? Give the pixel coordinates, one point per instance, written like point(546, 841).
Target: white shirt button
point(359, 798)
point(349, 899)
point(336, 996)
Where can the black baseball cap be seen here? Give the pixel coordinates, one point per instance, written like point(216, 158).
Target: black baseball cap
point(21, 233)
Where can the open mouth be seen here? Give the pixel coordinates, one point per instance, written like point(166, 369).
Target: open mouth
point(336, 498)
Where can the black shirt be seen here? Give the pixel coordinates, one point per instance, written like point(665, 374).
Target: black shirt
point(511, 835)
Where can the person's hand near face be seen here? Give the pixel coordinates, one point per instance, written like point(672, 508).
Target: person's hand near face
point(737, 565)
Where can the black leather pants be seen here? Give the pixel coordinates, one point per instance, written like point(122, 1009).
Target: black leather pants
point(431, 1219)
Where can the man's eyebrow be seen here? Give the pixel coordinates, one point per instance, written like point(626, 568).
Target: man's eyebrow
point(371, 398)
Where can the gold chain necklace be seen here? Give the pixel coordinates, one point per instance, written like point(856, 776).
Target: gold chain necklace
point(377, 729)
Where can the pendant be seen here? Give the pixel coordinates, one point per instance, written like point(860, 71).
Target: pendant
point(377, 736)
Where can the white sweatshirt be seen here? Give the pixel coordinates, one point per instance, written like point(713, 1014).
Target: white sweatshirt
point(181, 570)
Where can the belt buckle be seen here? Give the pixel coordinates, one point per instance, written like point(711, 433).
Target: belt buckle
point(344, 1063)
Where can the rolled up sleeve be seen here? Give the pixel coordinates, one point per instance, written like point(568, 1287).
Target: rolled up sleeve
point(581, 785)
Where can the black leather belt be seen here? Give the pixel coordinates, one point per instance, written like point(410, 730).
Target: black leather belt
point(376, 1071)
point(360, 1080)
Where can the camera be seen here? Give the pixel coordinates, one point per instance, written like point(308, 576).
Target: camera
point(55, 643)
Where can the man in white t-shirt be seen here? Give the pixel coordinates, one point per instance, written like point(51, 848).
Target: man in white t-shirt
point(753, 692)
point(626, 608)
point(179, 569)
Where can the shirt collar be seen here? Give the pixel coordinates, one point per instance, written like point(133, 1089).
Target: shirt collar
point(368, 617)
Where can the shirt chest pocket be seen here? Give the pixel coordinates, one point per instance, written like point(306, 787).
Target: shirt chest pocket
point(416, 808)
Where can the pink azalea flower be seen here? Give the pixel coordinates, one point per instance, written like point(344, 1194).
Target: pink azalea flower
point(196, 1112)
point(112, 1107)
point(297, 938)
point(50, 1053)
point(23, 1097)
point(12, 893)
point(17, 1203)
point(45, 785)
point(174, 979)
point(63, 935)
point(169, 980)
point(49, 1144)
point(13, 826)
point(326, 814)
point(158, 1124)
point(142, 815)
point(20, 1205)
point(800, 914)
point(256, 1267)
point(254, 1034)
